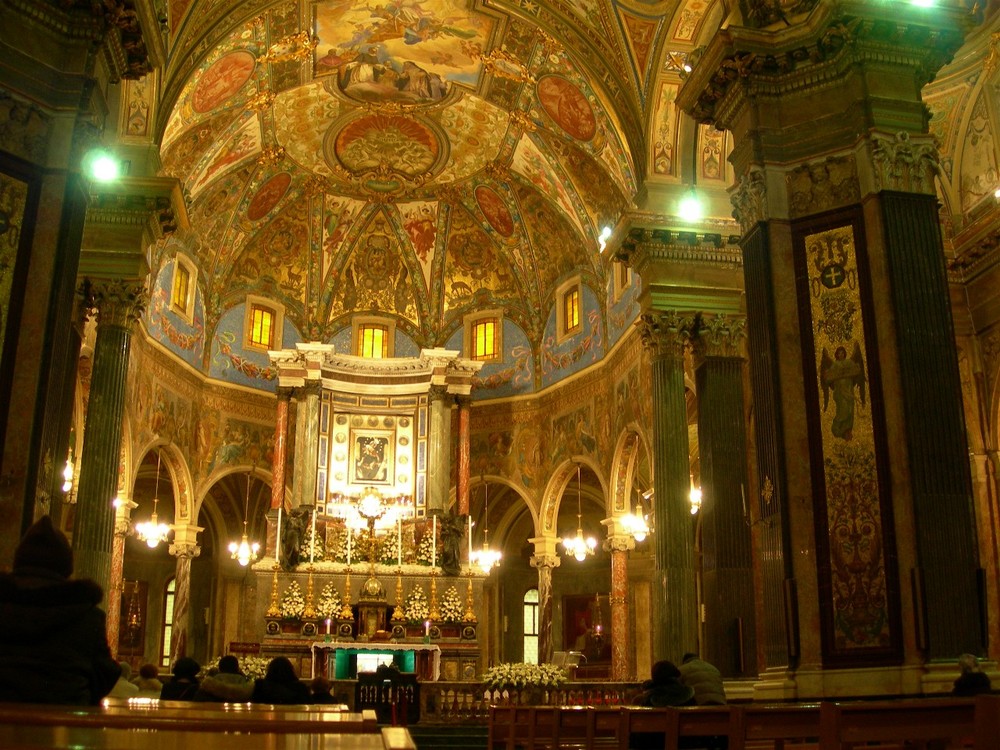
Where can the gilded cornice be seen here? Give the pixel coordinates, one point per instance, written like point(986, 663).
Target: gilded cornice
point(641, 248)
point(814, 50)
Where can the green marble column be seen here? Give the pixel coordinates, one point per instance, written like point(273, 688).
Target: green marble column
point(439, 449)
point(728, 630)
point(119, 305)
point(675, 628)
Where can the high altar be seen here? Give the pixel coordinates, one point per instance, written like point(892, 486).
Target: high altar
point(367, 556)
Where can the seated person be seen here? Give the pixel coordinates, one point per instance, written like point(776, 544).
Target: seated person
point(972, 680)
point(148, 681)
point(184, 683)
point(664, 689)
point(280, 685)
point(124, 688)
point(705, 679)
point(227, 685)
point(319, 690)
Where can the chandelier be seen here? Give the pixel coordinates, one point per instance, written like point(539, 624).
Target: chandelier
point(152, 532)
point(579, 547)
point(371, 510)
point(486, 559)
point(636, 524)
point(245, 552)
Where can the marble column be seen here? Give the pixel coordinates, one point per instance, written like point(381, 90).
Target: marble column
point(119, 305)
point(123, 524)
point(185, 549)
point(280, 447)
point(439, 449)
point(666, 335)
point(621, 644)
point(867, 534)
point(464, 439)
point(728, 626)
point(544, 562)
point(309, 430)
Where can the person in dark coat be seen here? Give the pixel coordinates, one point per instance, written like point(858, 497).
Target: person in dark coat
point(664, 689)
point(183, 685)
point(53, 636)
point(319, 690)
point(280, 685)
point(972, 680)
point(228, 685)
point(705, 679)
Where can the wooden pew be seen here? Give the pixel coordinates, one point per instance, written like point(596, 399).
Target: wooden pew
point(987, 722)
point(181, 725)
point(673, 723)
point(781, 726)
point(913, 723)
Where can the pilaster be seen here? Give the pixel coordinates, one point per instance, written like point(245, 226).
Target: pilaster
point(545, 560)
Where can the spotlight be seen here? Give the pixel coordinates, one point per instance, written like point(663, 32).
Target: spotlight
point(101, 165)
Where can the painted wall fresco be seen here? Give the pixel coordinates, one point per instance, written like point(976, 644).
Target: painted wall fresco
point(688, 20)
point(559, 359)
point(665, 130)
point(274, 258)
point(640, 32)
point(530, 163)
point(475, 131)
point(234, 363)
point(420, 219)
point(943, 124)
point(183, 338)
point(226, 441)
point(302, 117)
point(624, 311)
point(554, 251)
point(401, 50)
point(567, 106)
point(240, 146)
point(473, 263)
point(513, 375)
point(979, 176)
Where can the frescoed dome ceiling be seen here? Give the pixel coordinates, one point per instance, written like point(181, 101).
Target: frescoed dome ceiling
point(419, 158)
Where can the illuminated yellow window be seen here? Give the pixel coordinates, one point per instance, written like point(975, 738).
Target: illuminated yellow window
point(261, 326)
point(484, 339)
point(373, 341)
point(182, 284)
point(571, 310)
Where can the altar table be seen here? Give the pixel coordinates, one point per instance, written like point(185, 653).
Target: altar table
point(427, 656)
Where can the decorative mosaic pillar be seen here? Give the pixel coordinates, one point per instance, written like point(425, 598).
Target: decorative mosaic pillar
point(280, 447)
point(119, 305)
point(464, 439)
point(439, 449)
point(621, 642)
point(728, 628)
point(856, 377)
point(666, 335)
point(544, 563)
point(123, 523)
point(185, 549)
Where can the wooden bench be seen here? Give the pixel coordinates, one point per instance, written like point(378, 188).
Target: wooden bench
point(182, 725)
point(781, 726)
point(987, 722)
point(924, 723)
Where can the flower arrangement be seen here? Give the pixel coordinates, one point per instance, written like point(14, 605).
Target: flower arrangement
point(517, 676)
point(451, 606)
point(415, 606)
point(329, 602)
point(425, 548)
point(292, 603)
point(316, 546)
point(254, 667)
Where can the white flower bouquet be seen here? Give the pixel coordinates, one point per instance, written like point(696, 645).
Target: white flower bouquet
point(451, 606)
point(292, 603)
point(415, 606)
point(517, 676)
point(329, 602)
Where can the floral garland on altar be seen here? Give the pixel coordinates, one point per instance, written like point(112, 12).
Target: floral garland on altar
point(329, 602)
point(415, 606)
point(292, 603)
point(517, 676)
point(451, 608)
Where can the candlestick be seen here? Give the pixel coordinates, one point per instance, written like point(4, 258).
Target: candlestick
point(312, 540)
point(399, 540)
point(434, 540)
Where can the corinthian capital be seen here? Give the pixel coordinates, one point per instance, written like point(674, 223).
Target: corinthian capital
point(118, 303)
point(749, 199)
point(666, 334)
point(719, 336)
point(545, 561)
point(904, 163)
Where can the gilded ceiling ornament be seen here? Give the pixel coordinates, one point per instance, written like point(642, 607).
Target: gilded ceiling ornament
point(261, 100)
point(315, 185)
point(522, 121)
point(500, 62)
point(677, 62)
point(550, 45)
point(993, 56)
point(271, 156)
point(295, 47)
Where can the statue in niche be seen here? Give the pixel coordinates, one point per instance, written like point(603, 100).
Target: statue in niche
point(292, 528)
point(452, 528)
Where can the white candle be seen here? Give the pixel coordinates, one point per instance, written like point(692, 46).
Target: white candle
point(470, 539)
point(434, 540)
point(349, 545)
point(427, 627)
point(399, 540)
point(277, 538)
point(328, 626)
point(312, 542)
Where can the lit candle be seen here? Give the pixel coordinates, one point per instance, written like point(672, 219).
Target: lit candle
point(312, 541)
point(427, 627)
point(328, 626)
point(399, 540)
point(277, 537)
point(349, 535)
point(434, 540)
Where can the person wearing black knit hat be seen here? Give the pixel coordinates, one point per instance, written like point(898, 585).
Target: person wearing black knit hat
point(53, 635)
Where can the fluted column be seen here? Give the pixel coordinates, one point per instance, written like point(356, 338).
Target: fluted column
point(123, 523)
point(310, 442)
point(119, 305)
point(727, 569)
point(439, 448)
point(464, 439)
point(621, 644)
point(280, 447)
point(544, 562)
point(675, 630)
point(185, 549)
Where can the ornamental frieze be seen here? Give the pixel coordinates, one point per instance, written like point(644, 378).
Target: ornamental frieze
point(822, 185)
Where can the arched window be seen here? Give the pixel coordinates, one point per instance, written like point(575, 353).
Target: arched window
point(531, 626)
point(167, 624)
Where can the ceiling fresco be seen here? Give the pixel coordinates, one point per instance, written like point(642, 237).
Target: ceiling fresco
point(414, 158)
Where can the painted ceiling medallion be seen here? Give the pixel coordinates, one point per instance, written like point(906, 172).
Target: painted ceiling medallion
point(268, 196)
point(495, 210)
point(567, 106)
point(389, 150)
point(223, 78)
